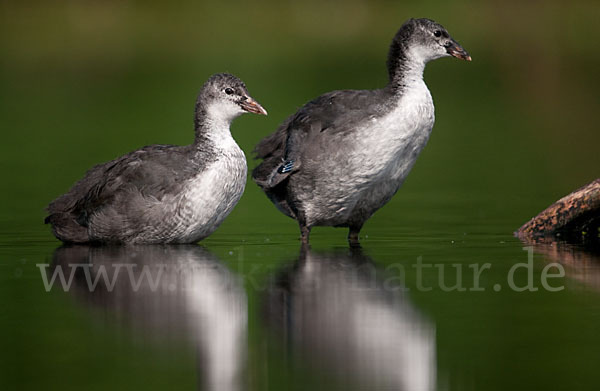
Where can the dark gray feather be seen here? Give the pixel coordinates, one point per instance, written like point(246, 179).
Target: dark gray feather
point(314, 124)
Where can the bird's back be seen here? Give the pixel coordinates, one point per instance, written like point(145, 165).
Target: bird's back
point(119, 188)
point(331, 113)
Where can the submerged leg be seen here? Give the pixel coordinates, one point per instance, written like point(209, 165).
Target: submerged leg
point(305, 232)
point(353, 236)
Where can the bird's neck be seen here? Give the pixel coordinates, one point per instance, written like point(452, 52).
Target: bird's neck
point(211, 129)
point(405, 69)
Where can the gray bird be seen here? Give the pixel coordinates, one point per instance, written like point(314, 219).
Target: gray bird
point(343, 155)
point(164, 193)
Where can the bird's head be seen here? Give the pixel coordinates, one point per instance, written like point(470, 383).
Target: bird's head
point(225, 97)
point(425, 40)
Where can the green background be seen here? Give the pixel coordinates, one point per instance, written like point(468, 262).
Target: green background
point(82, 82)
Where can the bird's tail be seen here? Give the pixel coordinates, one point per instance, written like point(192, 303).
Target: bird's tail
point(66, 228)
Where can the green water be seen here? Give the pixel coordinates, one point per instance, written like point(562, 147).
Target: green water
point(516, 129)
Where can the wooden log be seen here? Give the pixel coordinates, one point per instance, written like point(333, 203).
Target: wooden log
point(575, 217)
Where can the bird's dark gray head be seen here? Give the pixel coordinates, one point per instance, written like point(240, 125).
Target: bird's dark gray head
point(420, 41)
point(225, 97)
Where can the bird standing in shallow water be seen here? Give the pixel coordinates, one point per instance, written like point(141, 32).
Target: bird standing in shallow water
point(344, 154)
point(164, 193)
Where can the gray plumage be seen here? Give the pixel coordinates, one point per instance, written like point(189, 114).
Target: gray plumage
point(344, 155)
point(164, 193)
point(339, 312)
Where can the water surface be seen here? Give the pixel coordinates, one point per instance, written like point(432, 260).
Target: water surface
point(248, 309)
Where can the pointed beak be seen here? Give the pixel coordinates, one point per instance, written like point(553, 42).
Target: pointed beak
point(455, 50)
point(252, 106)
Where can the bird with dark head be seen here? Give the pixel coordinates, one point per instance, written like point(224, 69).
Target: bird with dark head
point(164, 193)
point(343, 155)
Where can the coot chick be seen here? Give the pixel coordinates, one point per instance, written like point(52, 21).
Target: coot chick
point(164, 193)
point(343, 155)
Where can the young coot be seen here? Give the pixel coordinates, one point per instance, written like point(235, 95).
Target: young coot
point(164, 193)
point(343, 155)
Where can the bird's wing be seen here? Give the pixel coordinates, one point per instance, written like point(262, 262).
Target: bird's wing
point(152, 172)
point(331, 113)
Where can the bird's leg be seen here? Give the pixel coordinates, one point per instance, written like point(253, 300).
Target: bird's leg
point(305, 232)
point(353, 236)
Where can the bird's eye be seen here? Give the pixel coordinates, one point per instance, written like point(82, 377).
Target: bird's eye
point(229, 91)
point(437, 33)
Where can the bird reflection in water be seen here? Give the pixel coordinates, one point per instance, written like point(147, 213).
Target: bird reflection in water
point(339, 312)
point(168, 292)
